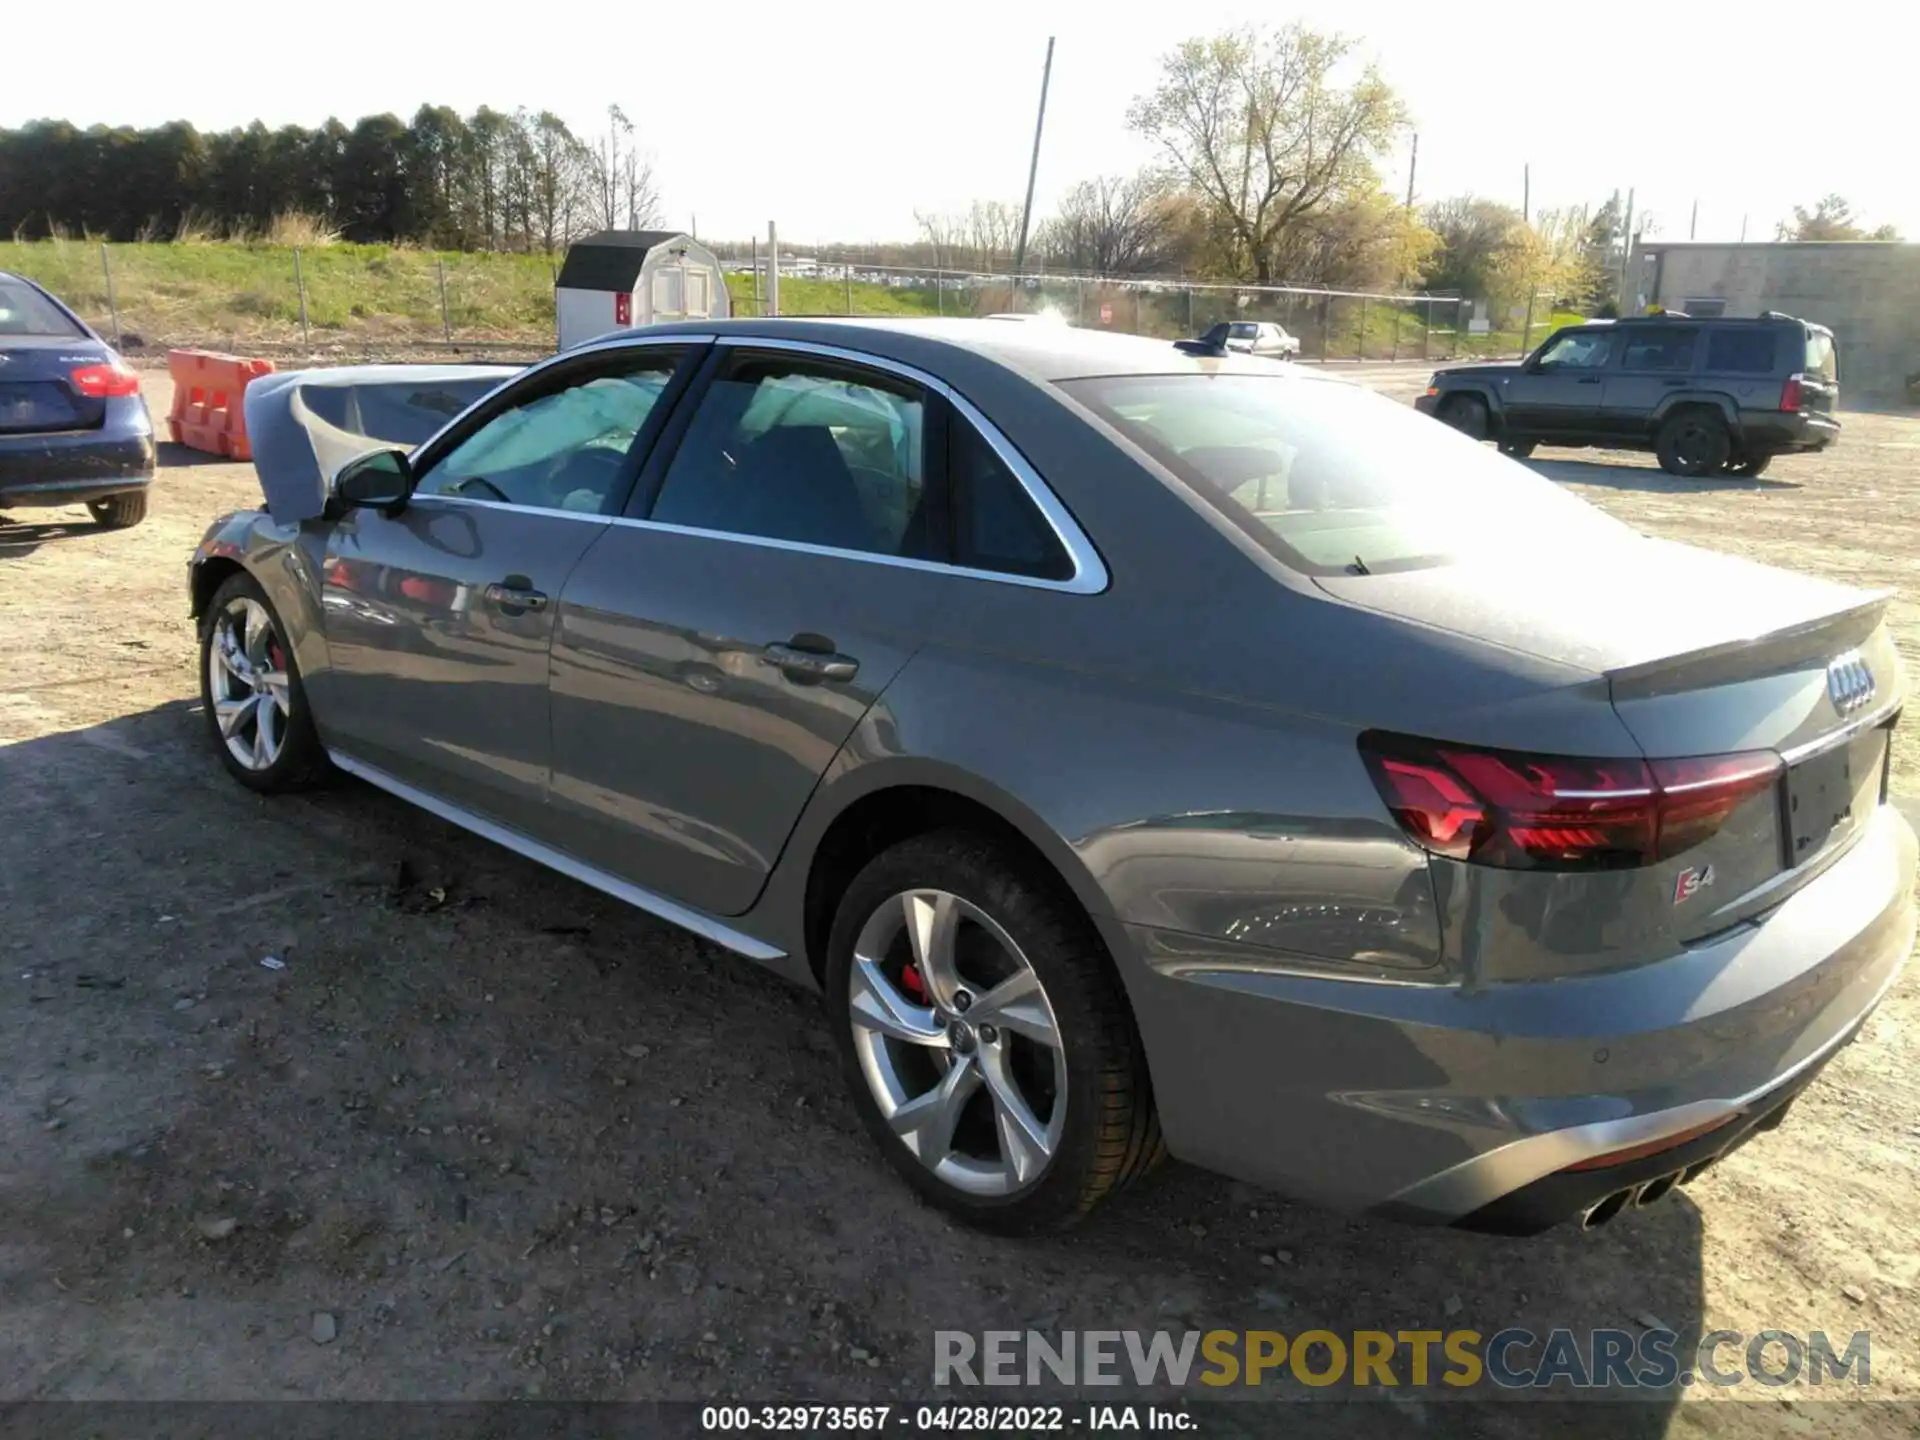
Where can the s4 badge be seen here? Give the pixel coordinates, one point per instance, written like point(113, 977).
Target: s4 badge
point(1691, 881)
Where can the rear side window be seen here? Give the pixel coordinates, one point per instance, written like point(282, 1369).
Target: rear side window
point(1821, 359)
point(1330, 478)
point(996, 524)
point(25, 311)
point(808, 452)
point(1746, 351)
point(1667, 349)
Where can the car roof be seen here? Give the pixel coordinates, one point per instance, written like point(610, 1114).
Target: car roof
point(1681, 317)
point(1042, 352)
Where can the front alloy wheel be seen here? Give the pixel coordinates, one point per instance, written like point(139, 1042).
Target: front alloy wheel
point(250, 688)
point(247, 684)
point(957, 1042)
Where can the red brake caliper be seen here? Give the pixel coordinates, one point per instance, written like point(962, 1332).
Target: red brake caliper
point(913, 984)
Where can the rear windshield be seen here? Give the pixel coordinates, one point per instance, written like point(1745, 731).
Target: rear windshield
point(1821, 359)
point(1332, 478)
point(25, 311)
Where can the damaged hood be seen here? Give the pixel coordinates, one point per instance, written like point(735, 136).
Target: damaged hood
point(305, 424)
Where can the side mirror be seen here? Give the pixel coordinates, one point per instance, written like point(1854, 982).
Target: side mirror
point(381, 480)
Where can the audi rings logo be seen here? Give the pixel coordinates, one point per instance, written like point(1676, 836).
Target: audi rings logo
point(1849, 683)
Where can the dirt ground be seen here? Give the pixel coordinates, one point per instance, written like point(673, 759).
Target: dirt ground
point(513, 1140)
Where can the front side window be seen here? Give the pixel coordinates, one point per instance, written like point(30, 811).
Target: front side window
point(806, 451)
point(1331, 478)
point(1578, 350)
point(563, 450)
point(1668, 349)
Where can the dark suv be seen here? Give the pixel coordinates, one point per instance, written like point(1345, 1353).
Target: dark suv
point(1704, 395)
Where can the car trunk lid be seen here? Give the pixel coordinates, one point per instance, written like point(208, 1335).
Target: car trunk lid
point(37, 394)
point(1704, 655)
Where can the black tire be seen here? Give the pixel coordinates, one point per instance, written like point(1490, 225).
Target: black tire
point(1518, 449)
point(1750, 465)
point(1110, 1134)
point(1467, 414)
point(1693, 442)
point(301, 761)
point(119, 512)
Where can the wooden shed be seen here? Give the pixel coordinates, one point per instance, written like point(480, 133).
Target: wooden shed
point(618, 279)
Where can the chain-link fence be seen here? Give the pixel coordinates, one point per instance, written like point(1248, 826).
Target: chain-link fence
point(1330, 325)
point(347, 301)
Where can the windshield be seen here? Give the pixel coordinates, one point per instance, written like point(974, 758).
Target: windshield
point(1332, 478)
point(1821, 362)
point(25, 311)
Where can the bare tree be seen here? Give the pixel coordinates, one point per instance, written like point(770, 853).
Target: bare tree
point(992, 230)
point(942, 232)
point(1255, 122)
point(1113, 225)
point(643, 192)
point(563, 179)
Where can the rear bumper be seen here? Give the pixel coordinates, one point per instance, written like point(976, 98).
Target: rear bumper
point(1444, 1103)
point(1776, 432)
point(69, 467)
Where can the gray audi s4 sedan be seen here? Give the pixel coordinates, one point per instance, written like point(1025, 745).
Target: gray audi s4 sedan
point(1142, 752)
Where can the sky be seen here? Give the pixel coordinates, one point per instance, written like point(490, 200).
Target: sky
point(840, 120)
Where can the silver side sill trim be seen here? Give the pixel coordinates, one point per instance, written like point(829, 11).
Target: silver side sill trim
point(1484, 1178)
point(703, 925)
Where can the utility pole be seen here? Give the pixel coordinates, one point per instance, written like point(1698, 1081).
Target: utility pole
point(773, 269)
point(1526, 194)
point(1693, 225)
point(1413, 168)
point(1743, 229)
point(1626, 248)
point(1033, 165)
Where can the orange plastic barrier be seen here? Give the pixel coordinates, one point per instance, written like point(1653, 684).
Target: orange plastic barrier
point(209, 412)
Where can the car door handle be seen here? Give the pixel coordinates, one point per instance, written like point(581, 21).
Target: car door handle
point(514, 595)
point(1673, 384)
point(1588, 380)
point(797, 663)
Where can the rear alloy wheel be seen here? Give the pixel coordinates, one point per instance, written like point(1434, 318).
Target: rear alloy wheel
point(1518, 449)
point(984, 1036)
point(1467, 414)
point(1693, 443)
point(250, 688)
point(118, 512)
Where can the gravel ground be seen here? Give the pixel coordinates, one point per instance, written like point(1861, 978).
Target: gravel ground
point(488, 1135)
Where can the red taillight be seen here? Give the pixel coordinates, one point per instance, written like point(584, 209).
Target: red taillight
point(97, 382)
point(1791, 397)
point(1555, 812)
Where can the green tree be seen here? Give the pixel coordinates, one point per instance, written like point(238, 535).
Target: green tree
point(1830, 219)
point(1257, 124)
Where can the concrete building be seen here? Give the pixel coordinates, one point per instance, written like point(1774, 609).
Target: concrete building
point(1866, 292)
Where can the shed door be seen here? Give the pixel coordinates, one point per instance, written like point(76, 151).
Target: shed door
point(699, 291)
point(670, 291)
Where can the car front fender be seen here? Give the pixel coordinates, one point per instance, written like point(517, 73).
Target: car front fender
point(284, 560)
